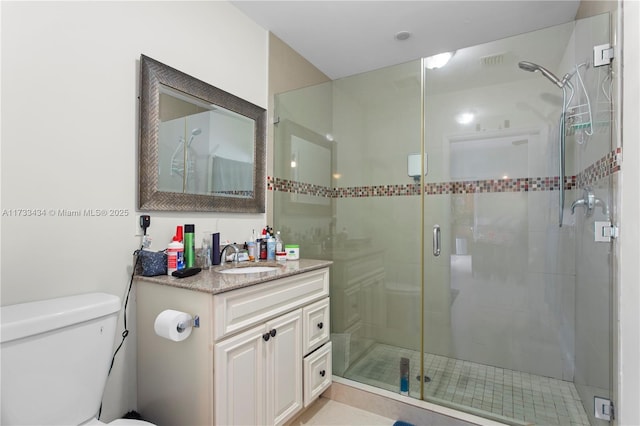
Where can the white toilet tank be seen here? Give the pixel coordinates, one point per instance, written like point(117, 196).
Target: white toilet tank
point(55, 356)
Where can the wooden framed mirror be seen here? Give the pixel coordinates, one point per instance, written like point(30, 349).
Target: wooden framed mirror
point(201, 148)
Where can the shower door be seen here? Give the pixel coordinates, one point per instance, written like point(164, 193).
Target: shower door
point(352, 199)
point(517, 308)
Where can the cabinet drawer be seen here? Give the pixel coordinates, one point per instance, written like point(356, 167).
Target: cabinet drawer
point(237, 310)
point(316, 325)
point(317, 373)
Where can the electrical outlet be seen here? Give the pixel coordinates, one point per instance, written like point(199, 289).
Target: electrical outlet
point(138, 230)
point(145, 223)
point(142, 221)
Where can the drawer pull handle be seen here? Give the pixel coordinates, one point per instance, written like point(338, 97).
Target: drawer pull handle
point(322, 373)
point(320, 325)
point(271, 333)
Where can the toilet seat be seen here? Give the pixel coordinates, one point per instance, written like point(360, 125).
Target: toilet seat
point(118, 422)
point(129, 422)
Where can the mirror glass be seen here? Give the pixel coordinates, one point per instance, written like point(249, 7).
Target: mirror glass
point(201, 149)
point(308, 161)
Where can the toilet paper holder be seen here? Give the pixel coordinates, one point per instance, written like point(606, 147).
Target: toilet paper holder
point(183, 325)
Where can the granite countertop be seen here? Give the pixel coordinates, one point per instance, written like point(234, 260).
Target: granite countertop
point(210, 281)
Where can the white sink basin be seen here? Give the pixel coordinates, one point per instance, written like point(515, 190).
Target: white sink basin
point(248, 270)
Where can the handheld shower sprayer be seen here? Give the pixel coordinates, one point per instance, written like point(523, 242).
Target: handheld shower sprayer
point(563, 84)
point(195, 132)
point(531, 67)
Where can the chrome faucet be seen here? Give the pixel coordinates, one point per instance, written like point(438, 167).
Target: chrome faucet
point(589, 202)
point(223, 258)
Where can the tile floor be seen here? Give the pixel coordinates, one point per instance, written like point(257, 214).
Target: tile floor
point(326, 412)
point(497, 393)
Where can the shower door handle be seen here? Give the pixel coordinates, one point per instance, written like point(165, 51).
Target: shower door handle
point(436, 240)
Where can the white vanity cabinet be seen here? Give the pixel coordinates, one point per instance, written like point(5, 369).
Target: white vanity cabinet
point(261, 353)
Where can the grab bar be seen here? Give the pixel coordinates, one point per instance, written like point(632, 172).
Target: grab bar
point(436, 240)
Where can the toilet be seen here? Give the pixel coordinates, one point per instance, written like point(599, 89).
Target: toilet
point(55, 357)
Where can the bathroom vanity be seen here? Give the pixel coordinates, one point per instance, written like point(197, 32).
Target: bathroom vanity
point(260, 355)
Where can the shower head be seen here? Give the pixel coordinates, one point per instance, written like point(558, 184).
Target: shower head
point(531, 67)
point(528, 66)
point(195, 132)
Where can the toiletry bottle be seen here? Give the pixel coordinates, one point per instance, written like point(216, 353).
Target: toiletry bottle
point(271, 248)
point(251, 246)
point(263, 245)
point(175, 256)
point(404, 376)
point(206, 252)
point(279, 243)
point(215, 248)
point(189, 246)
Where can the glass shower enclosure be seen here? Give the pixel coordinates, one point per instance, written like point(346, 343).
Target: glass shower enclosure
point(435, 192)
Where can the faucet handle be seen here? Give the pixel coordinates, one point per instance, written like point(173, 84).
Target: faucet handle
point(575, 204)
point(589, 202)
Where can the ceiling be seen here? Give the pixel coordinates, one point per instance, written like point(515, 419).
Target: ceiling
point(343, 38)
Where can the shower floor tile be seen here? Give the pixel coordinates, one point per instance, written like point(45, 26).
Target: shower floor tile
point(505, 395)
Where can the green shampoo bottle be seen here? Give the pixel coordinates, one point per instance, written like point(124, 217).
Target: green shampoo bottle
point(189, 246)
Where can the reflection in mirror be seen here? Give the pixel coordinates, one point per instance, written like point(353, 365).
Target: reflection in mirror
point(201, 149)
point(195, 160)
point(499, 154)
point(311, 163)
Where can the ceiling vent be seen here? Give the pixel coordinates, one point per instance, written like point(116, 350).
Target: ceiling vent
point(492, 60)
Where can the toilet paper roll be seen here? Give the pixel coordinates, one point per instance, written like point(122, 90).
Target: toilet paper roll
point(166, 325)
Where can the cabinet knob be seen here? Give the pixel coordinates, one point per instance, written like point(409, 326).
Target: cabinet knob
point(323, 372)
point(273, 332)
point(266, 337)
point(320, 325)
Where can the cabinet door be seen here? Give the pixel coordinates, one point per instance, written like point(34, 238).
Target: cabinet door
point(284, 369)
point(239, 368)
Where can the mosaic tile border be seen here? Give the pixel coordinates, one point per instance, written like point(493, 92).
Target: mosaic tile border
point(602, 168)
point(500, 185)
point(285, 185)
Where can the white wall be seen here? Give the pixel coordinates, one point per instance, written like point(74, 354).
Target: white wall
point(70, 82)
point(628, 412)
